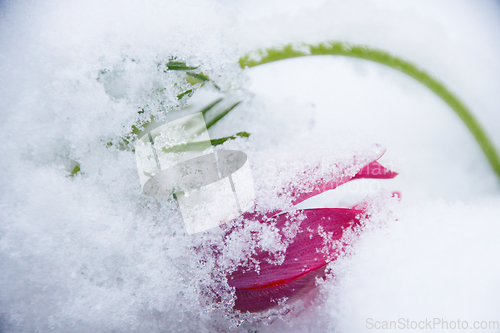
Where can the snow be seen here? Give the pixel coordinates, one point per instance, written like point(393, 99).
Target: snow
point(91, 253)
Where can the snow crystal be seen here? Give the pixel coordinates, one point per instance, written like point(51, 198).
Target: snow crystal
point(82, 249)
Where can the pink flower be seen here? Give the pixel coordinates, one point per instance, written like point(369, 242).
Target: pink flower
point(324, 234)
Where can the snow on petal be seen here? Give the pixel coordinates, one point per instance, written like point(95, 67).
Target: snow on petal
point(318, 242)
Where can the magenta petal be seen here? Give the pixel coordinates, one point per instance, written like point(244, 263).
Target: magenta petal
point(376, 171)
point(319, 241)
point(372, 170)
point(260, 299)
point(305, 259)
point(320, 187)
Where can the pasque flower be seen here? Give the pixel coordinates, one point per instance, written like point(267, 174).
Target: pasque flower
point(322, 236)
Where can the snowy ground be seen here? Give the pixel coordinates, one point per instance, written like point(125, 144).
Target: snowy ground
point(91, 253)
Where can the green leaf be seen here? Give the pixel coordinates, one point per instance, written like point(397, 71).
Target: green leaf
point(202, 145)
point(211, 105)
point(179, 66)
point(194, 78)
point(187, 92)
point(75, 170)
point(189, 146)
point(219, 116)
point(216, 142)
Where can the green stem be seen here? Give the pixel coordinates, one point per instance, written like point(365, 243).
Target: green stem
point(381, 57)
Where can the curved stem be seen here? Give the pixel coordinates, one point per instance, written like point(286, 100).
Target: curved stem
point(381, 57)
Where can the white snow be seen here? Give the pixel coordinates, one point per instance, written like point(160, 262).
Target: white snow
point(91, 253)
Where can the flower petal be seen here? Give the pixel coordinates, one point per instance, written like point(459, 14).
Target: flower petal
point(375, 170)
point(317, 243)
point(372, 170)
point(255, 300)
point(323, 235)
